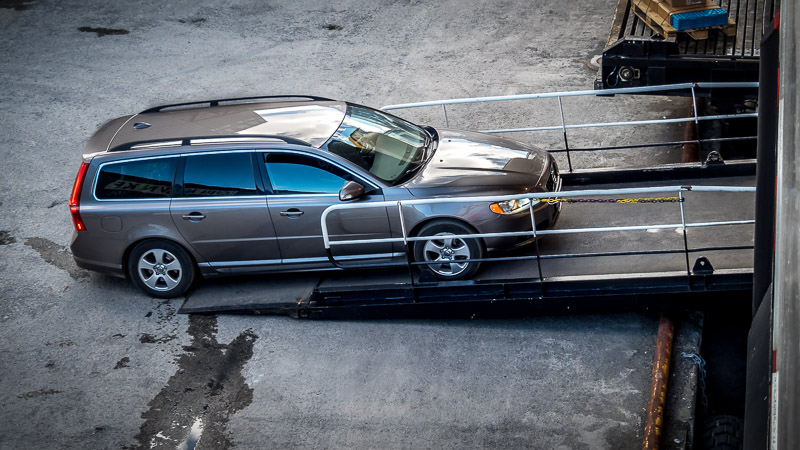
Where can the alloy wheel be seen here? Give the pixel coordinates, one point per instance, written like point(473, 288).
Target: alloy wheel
point(159, 269)
point(446, 251)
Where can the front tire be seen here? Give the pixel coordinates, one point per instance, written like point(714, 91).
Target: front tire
point(161, 268)
point(445, 252)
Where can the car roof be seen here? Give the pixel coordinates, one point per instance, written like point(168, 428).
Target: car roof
point(309, 121)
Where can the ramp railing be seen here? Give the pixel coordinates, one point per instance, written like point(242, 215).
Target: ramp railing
point(619, 196)
point(564, 126)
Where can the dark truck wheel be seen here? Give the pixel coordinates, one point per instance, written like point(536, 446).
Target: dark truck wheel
point(723, 433)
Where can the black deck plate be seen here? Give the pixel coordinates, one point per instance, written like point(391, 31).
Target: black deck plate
point(267, 294)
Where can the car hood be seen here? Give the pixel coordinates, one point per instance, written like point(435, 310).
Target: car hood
point(469, 162)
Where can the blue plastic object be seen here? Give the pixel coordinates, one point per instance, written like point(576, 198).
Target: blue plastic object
point(699, 19)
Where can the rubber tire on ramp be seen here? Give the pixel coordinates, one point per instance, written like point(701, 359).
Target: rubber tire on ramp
point(448, 226)
point(723, 433)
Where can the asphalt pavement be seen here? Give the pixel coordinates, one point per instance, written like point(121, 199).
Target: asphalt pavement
point(87, 361)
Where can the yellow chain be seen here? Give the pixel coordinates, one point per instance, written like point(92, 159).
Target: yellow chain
point(610, 200)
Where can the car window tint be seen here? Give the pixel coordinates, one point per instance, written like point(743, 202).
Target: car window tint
point(291, 173)
point(219, 175)
point(148, 178)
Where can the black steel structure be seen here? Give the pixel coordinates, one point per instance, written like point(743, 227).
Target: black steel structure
point(637, 56)
point(759, 361)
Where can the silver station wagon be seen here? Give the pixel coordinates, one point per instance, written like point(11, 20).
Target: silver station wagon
point(239, 186)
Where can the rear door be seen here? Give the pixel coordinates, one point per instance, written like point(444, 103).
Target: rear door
point(221, 210)
point(302, 187)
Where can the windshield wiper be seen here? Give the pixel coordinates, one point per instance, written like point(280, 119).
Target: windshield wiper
point(413, 167)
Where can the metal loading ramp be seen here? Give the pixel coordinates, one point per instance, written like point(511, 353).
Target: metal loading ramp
point(647, 247)
point(643, 264)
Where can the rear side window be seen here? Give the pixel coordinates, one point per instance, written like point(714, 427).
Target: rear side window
point(219, 175)
point(148, 178)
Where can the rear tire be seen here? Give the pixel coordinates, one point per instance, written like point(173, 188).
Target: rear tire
point(446, 251)
point(161, 268)
point(723, 433)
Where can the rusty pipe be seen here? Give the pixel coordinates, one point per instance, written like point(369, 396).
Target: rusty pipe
point(654, 422)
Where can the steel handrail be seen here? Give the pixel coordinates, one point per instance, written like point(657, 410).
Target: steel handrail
point(491, 199)
point(564, 127)
point(534, 233)
point(620, 124)
point(631, 90)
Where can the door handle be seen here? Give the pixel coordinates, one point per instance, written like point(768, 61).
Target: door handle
point(292, 213)
point(195, 216)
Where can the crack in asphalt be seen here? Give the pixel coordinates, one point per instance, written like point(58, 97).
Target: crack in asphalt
point(102, 31)
point(207, 385)
point(39, 393)
point(193, 20)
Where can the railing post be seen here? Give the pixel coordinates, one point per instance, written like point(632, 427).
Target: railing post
point(405, 243)
point(564, 132)
point(685, 240)
point(696, 120)
point(536, 246)
point(444, 111)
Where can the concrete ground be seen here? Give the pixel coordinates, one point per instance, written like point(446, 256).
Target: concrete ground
point(87, 361)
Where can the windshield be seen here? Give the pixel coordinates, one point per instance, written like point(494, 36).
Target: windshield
point(383, 145)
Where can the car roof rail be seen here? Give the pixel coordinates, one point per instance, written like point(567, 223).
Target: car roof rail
point(215, 103)
point(183, 141)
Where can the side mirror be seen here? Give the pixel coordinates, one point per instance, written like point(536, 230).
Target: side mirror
point(351, 191)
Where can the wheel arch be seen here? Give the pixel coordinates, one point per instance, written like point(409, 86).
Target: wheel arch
point(446, 219)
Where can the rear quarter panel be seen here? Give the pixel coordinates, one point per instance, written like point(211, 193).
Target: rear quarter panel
point(114, 226)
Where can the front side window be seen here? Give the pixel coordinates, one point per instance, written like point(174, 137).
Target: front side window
point(139, 179)
point(292, 173)
point(219, 175)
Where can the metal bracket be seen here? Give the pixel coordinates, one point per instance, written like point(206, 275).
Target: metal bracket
point(702, 266)
point(713, 158)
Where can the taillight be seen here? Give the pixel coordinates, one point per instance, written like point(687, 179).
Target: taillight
point(75, 198)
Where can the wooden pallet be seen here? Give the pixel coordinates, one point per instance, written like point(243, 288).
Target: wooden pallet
point(659, 21)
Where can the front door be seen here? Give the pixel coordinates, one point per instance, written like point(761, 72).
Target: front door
point(303, 186)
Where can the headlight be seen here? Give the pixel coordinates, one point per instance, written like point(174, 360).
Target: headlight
point(510, 206)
